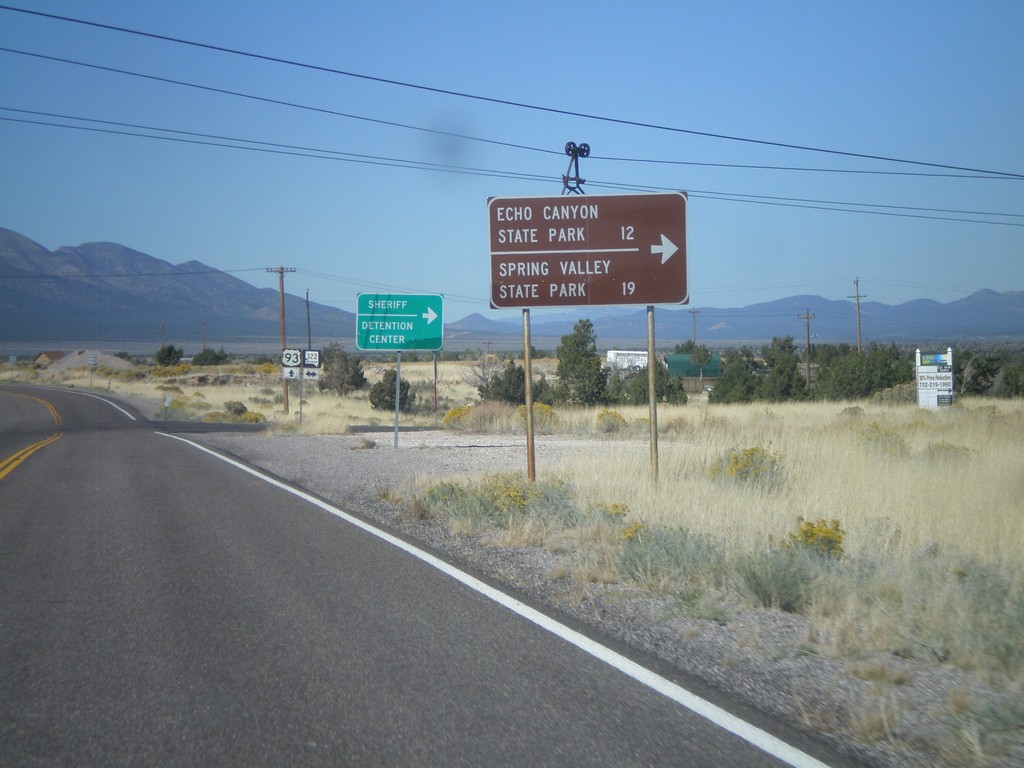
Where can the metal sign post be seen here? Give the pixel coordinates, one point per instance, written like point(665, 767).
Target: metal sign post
point(398, 390)
point(652, 393)
point(531, 466)
point(397, 321)
point(300, 364)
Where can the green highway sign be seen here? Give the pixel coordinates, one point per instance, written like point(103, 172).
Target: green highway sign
point(397, 321)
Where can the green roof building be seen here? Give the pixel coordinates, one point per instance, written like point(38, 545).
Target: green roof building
point(683, 365)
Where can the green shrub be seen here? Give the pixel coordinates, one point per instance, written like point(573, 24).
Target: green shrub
point(900, 393)
point(382, 394)
point(169, 355)
point(943, 606)
point(456, 416)
point(946, 453)
point(500, 500)
point(235, 407)
point(668, 558)
point(608, 421)
point(884, 441)
point(613, 511)
point(178, 405)
point(234, 413)
point(544, 416)
point(488, 416)
point(754, 464)
point(824, 537)
point(509, 494)
point(210, 357)
point(554, 502)
point(166, 371)
point(778, 578)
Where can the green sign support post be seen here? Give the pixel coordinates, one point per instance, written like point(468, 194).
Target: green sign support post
point(391, 322)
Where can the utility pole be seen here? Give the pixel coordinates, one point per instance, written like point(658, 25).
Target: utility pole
point(309, 328)
point(204, 335)
point(163, 332)
point(807, 317)
point(858, 296)
point(694, 313)
point(280, 283)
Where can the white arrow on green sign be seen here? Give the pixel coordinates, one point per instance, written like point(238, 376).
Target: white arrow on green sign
point(398, 321)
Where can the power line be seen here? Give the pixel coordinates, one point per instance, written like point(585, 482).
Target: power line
point(835, 208)
point(869, 205)
point(214, 140)
point(301, 150)
point(282, 102)
point(824, 206)
point(495, 100)
point(780, 201)
point(803, 169)
point(828, 205)
point(496, 142)
point(313, 154)
point(386, 286)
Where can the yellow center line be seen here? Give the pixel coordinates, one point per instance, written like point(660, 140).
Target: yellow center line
point(45, 403)
point(7, 465)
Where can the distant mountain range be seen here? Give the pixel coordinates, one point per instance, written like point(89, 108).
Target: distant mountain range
point(104, 292)
point(982, 315)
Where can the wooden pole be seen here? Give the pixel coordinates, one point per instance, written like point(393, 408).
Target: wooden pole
point(284, 344)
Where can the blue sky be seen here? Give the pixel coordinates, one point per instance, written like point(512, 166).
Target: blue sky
point(934, 82)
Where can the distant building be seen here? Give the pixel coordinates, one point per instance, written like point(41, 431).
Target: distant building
point(623, 360)
point(683, 365)
point(43, 359)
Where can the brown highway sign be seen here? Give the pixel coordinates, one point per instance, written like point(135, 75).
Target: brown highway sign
point(588, 249)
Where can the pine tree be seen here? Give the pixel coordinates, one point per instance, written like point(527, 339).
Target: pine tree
point(581, 379)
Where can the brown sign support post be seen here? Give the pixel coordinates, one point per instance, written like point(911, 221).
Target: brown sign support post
point(531, 465)
point(593, 250)
point(652, 395)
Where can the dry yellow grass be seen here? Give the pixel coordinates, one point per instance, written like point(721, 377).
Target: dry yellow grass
point(930, 504)
point(322, 413)
point(897, 477)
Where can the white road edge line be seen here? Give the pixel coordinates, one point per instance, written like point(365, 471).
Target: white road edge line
point(715, 714)
point(111, 403)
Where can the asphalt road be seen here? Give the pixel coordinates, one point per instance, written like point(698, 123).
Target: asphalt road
point(159, 606)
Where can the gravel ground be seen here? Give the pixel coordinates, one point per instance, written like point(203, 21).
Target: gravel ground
point(761, 656)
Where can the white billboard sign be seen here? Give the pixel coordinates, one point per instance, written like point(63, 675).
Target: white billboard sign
point(934, 373)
